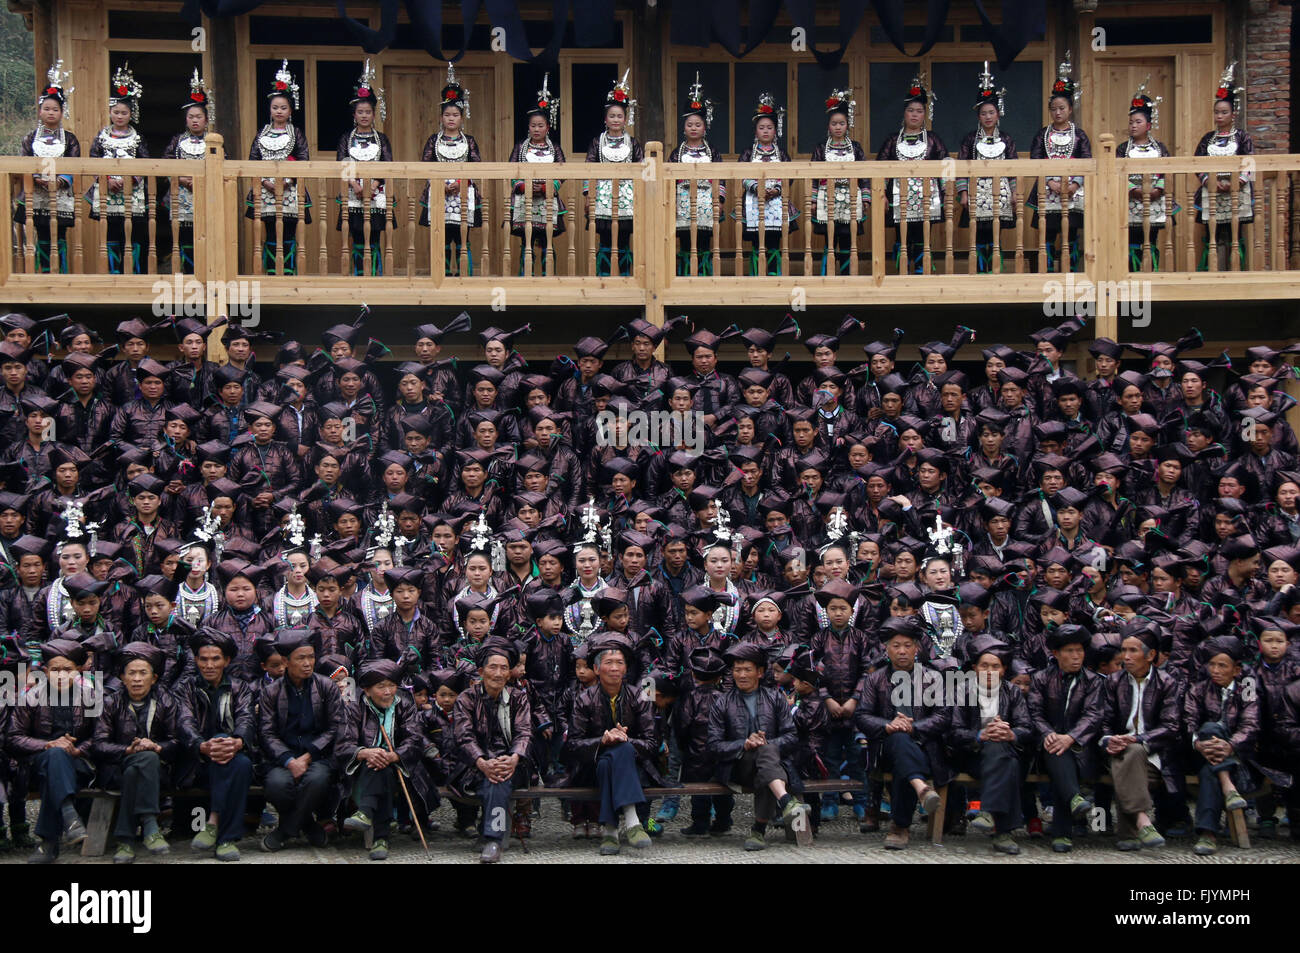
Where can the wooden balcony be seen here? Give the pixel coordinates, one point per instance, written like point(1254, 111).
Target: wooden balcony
point(1173, 262)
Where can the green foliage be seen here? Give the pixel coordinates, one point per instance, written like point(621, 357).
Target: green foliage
point(17, 82)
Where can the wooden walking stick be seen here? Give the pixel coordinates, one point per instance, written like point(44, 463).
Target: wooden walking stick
point(402, 781)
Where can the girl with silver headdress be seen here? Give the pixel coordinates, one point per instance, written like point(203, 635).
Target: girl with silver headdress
point(1143, 116)
point(765, 210)
point(1061, 139)
point(364, 143)
point(281, 141)
point(120, 140)
point(1214, 200)
point(709, 193)
point(909, 208)
point(614, 144)
point(835, 208)
point(199, 113)
point(452, 144)
point(49, 140)
point(987, 141)
point(528, 201)
point(196, 596)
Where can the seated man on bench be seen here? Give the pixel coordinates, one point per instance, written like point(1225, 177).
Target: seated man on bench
point(492, 725)
point(990, 729)
point(1066, 706)
point(219, 722)
point(1222, 718)
point(1141, 728)
point(750, 729)
point(613, 731)
point(137, 741)
point(901, 711)
point(51, 729)
point(300, 716)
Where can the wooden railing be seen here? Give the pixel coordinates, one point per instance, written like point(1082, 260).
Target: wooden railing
point(688, 245)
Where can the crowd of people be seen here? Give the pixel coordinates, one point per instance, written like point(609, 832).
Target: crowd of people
point(537, 213)
point(360, 583)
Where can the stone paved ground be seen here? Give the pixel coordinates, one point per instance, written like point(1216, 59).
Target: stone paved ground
point(838, 843)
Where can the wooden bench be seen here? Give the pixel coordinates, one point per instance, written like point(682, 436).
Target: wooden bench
point(104, 803)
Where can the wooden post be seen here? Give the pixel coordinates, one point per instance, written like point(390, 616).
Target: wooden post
point(212, 242)
point(655, 241)
point(1106, 235)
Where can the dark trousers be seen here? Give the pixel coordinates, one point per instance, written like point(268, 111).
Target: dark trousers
point(1063, 769)
point(117, 243)
point(721, 804)
point(757, 768)
point(289, 227)
point(843, 756)
point(1209, 795)
point(618, 780)
point(227, 785)
point(44, 255)
point(296, 801)
point(907, 761)
point(59, 776)
point(375, 793)
point(997, 765)
point(496, 803)
point(909, 239)
point(141, 791)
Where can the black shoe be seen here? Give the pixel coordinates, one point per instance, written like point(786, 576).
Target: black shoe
point(43, 854)
point(274, 841)
point(719, 828)
point(316, 835)
point(696, 829)
point(22, 835)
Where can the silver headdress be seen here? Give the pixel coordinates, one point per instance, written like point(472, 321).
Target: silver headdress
point(209, 531)
point(126, 89)
point(200, 95)
point(842, 99)
point(367, 92)
point(285, 85)
point(697, 104)
point(621, 95)
point(767, 108)
point(987, 93)
point(56, 87)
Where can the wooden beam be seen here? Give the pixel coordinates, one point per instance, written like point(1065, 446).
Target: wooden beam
point(225, 80)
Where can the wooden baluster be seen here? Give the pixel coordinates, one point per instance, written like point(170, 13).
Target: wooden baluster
point(1234, 263)
point(693, 205)
point(1042, 225)
point(1190, 184)
point(389, 235)
point(58, 255)
point(175, 186)
point(594, 237)
point(549, 265)
point(1257, 247)
point(761, 244)
point(572, 211)
point(1167, 251)
point(1147, 184)
point(279, 224)
point(715, 213)
point(1212, 246)
point(808, 190)
point(411, 201)
point(927, 199)
point(995, 253)
point(485, 204)
point(1020, 228)
point(128, 225)
point(345, 237)
point(972, 189)
point(78, 245)
point(1288, 178)
point(466, 218)
point(29, 229)
point(856, 195)
point(948, 189)
point(367, 206)
point(151, 210)
point(526, 251)
point(1281, 200)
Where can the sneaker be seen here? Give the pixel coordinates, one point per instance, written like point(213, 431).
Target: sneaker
point(74, 834)
point(316, 835)
point(930, 800)
point(1150, 837)
point(608, 846)
point(157, 844)
point(379, 850)
point(1178, 829)
point(870, 822)
point(490, 854)
point(1035, 827)
point(1006, 844)
point(360, 822)
point(755, 841)
point(830, 810)
point(1267, 829)
point(897, 838)
point(22, 836)
point(268, 818)
point(205, 839)
point(125, 854)
point(43, 854)
point(1234, 801)
point(720, 828)
point(579, 831)
point(1062, 845)
point(274, 841)
point(1128, 845)
point(1080, 807)
point(667, 812)
point(227, 851)
point(795, 816)
point(982, 822)
point(637, 837)
point(654, 828)
point(1205, 846)
point(696, 829)
point(859, 811)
